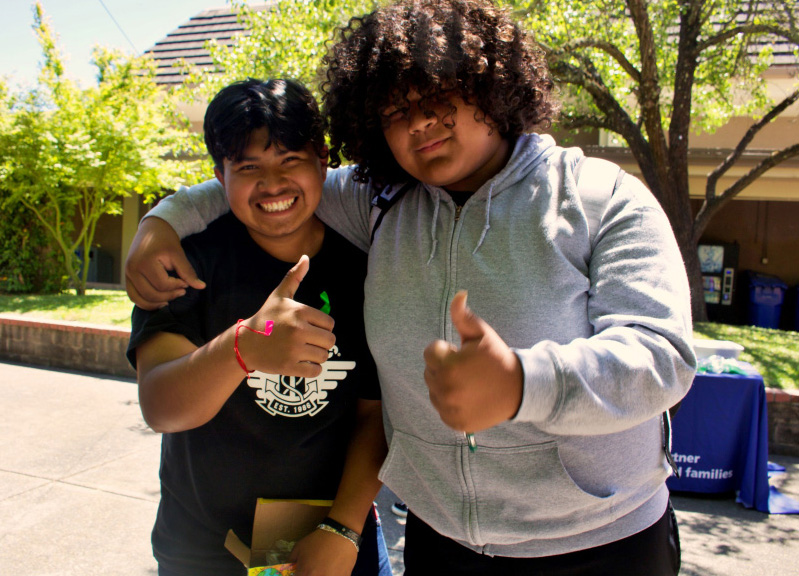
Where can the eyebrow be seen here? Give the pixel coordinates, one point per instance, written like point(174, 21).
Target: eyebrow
point(279, 152)
point(244, 159)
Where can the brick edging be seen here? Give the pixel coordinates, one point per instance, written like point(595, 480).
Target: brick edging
point(777, 395)
point(62, 344)
point(783, 421)
point(64, 325)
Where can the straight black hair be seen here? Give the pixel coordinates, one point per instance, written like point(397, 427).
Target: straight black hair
point(284, 107)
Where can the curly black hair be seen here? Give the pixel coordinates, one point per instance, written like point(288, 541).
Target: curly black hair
point(470, 48)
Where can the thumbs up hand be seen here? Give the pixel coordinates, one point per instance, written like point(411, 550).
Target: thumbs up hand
point(477, 385)
point(301, 335)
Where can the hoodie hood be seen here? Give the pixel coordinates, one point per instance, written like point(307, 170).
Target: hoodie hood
point(529, 151)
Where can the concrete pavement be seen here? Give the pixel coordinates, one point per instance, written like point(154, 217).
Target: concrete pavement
point(79, 490)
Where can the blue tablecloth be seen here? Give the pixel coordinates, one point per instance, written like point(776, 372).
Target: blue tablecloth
point(720, 441)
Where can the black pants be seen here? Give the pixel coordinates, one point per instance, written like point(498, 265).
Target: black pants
point(652, 552)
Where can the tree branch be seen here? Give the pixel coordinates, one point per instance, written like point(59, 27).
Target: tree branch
point(749, 30)
point(607, 47)
point(684, 78)
point(586, 121)
point(732, 158)
point(649, 87)
point(713, 204)
point(616, 118)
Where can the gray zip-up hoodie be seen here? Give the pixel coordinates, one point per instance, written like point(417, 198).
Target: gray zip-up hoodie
point(603, 334)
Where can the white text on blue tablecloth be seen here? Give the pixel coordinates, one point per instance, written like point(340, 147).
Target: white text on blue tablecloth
point(696, 473)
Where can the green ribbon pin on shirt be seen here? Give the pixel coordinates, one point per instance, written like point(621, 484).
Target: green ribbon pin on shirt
point(326, 306)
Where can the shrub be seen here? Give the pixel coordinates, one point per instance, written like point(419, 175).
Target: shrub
point(27, 261)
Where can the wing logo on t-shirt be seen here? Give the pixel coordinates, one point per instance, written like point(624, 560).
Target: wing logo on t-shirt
point(294, 396)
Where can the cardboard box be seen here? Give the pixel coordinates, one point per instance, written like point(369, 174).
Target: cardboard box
point(277, 526)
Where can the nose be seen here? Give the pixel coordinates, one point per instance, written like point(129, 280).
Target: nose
point(272, 182)
point(418, 121)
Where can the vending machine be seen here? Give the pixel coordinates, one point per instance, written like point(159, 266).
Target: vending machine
point(719, 264)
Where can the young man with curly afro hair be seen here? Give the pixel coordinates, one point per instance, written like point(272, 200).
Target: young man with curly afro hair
point(525, 430)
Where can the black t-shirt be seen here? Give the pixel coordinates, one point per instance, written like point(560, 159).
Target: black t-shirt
point(276, 436)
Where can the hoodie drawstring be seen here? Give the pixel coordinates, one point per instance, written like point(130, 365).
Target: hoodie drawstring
point(433, 228)
point(437, 195)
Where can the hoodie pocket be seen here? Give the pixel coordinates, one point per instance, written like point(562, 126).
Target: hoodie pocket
point(492, 496)
point(525, 492)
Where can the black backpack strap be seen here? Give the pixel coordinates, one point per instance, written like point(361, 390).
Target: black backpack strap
point(381, 204)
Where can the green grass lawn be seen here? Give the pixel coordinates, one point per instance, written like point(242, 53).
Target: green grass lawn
point(775, 353)
point(97, 306)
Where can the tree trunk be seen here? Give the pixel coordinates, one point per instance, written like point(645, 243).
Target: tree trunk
point(676, 203)
point(698, 305)
point(688, 249)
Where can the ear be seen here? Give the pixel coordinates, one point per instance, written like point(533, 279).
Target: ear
point(219, 176)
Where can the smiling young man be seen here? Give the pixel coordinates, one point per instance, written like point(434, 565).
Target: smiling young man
point(258, 392)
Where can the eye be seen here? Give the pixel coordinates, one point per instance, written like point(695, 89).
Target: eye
point(394, 114)
point(247, 168)
point(291, 159)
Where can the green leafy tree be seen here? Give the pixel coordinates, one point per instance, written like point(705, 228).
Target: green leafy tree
point(23, 247)
point(286, 40)
point(70, 155)
point(652, 72)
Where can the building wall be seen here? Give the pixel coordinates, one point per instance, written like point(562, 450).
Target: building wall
point(114, 234)
point(767, 232)
point(108, 239)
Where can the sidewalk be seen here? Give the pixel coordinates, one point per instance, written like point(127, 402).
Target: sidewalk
point(79, 490)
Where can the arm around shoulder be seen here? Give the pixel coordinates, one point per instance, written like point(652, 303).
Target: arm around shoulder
point(155, 252)
point(190, 210)
point(156, 249)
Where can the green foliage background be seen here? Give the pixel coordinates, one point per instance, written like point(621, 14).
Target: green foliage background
point(27, 263)
point(593, 43)
point(70, 155)
point(286, 41)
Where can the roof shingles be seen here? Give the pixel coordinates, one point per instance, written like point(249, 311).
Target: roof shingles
point(187, 42)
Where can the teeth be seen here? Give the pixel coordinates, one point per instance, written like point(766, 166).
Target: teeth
point(277, 206)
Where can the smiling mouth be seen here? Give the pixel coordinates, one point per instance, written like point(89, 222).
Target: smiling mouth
point(279, 206)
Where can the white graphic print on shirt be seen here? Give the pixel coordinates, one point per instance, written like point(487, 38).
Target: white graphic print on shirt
point(296, 396)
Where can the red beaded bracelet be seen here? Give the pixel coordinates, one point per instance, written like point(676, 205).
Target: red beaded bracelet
point(266, 332)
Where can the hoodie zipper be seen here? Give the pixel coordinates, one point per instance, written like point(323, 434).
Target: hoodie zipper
point(465, 454)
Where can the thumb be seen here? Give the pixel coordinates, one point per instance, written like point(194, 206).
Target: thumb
point(186, 272)
point(294, 277)
point(467, 323)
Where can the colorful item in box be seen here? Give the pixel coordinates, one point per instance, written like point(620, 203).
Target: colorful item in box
point(276, 570)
